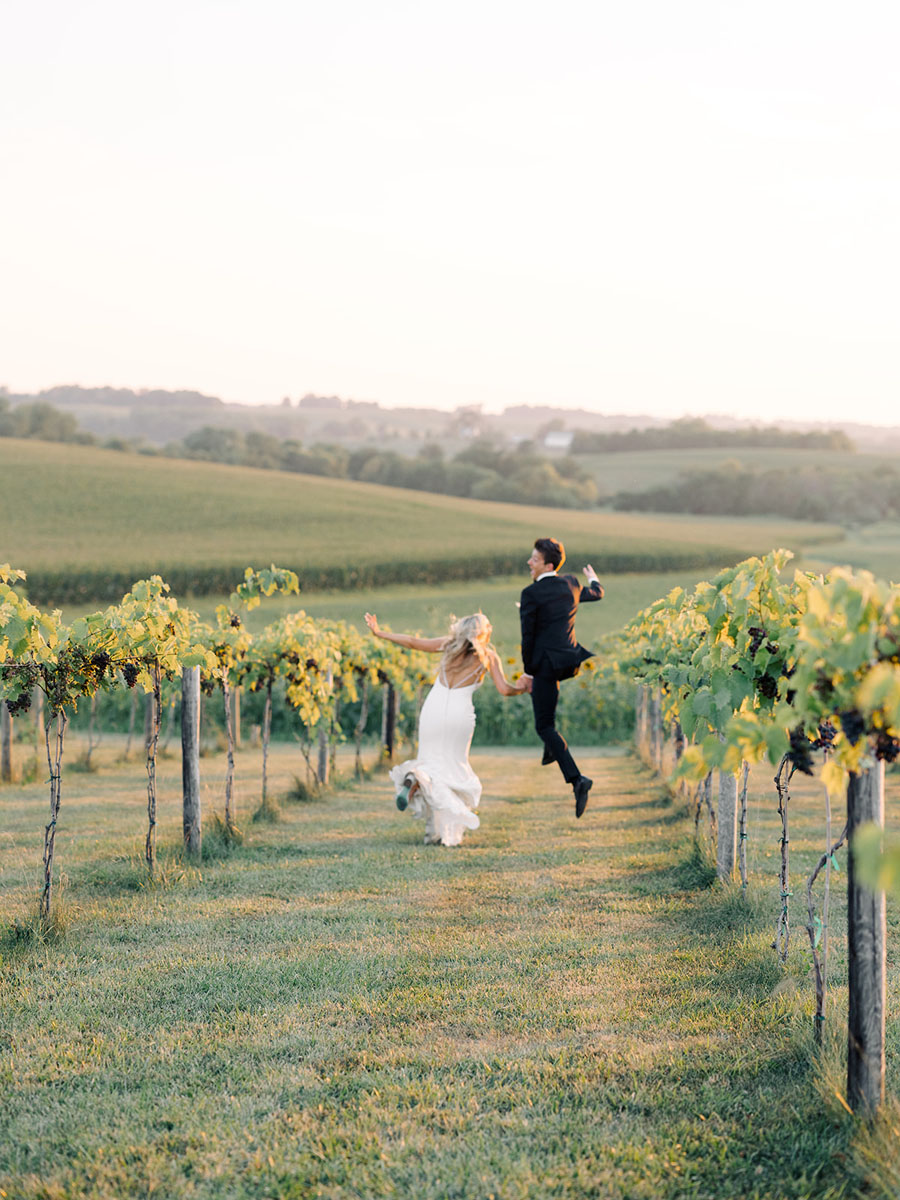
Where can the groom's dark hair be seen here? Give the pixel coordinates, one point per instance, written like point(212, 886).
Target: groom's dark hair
point(551, 551)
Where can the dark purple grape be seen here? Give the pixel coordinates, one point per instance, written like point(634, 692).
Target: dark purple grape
point(886, 747)
point(800, 751)
point(767, 686)
point(853, 724)
point(826, 735)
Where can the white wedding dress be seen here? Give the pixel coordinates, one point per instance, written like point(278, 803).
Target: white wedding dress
point(449, 790)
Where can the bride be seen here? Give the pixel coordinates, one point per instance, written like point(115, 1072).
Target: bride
point(439, 784)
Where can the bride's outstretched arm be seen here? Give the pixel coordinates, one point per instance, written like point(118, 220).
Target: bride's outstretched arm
point(502, 684)
point(407, 640)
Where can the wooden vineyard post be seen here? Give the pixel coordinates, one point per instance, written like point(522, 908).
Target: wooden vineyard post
point(323, 762)
point(742, 834)
point(655, 731)
point(726, 826)
point(5, 744)
point(866, 932)
point(265, 732)
point(230, 823)
point(151, 733)
point(190, 758)
point(388, 721)
point(677, 741)
point(361, 725)
point(640, 711)
point(237, 716)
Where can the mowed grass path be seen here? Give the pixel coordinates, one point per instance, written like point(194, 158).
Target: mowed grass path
point(555, 1009)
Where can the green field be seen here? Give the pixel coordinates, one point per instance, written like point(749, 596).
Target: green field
point(74, 513)
point(420, 608)
point(873, 548)
point(555, 1009)
point(638, 470)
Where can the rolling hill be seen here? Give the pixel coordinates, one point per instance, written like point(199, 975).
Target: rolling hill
point(84, 522)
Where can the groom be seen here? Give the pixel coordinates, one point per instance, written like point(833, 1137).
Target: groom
point(550, 652)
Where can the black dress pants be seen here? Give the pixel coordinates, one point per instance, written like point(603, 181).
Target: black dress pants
point(544, 698)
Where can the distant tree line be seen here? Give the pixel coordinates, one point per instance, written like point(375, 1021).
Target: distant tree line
point(693, 433)
point(808, 493)
point(156, 397)
point(41, 421)
point(480, 471)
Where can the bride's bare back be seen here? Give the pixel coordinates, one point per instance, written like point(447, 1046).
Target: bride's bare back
point(462, 671)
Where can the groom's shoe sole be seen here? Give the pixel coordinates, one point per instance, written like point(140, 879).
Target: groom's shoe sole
point(582, 786)
point(547, 759)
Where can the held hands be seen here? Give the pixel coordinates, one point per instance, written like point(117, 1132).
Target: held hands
point(524, 682)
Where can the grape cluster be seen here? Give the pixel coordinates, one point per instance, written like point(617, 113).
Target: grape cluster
point(757, 637)
point(235, 621)
point(24, 676)
point(312, 665)
point(130, 671)
point(886, 747)
point(767, 686)
point(826, 734)
point(800, 752)
point(101, 661)
point(853, 724)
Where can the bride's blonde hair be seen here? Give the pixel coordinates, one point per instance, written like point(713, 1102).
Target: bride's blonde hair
point(468, 634)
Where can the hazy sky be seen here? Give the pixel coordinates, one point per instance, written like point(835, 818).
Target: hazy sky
point(641, 207)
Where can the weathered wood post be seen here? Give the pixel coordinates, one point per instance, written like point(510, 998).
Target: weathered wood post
point(656, 730)
point(742, 823)
point(154, 715)
point(5, 744)
point(265, 732)
point(323, 764)
point(190, 758)
point(322, 760)
point(726, 826)
point(361, 725)
point(388, 721)
point(237, 716)
point(640, 710)
point(867, 938)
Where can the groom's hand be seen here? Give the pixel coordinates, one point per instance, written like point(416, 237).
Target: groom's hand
point(527, 681)
point(590, 574)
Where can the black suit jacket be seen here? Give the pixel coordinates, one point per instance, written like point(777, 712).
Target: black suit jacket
point(547, 612)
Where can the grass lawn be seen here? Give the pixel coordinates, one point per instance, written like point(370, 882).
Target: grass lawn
point(429, 608)
point(555, 1009)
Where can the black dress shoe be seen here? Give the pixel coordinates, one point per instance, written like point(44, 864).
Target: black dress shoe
point(582, 786)
point(547, 759)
